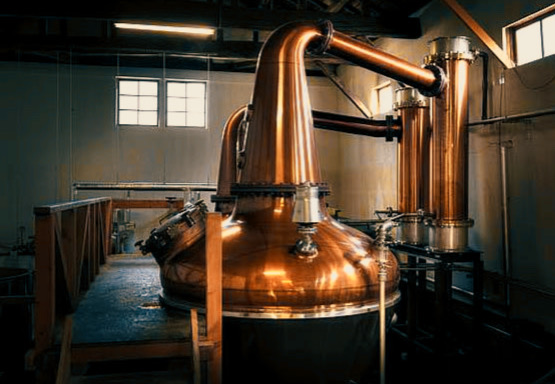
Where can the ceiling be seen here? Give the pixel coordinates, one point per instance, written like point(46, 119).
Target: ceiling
point(84, 32)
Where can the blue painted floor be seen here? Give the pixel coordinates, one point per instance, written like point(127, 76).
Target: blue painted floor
point(123, 304)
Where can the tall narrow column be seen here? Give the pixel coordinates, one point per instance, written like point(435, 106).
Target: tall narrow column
point(449, 183)
point(412, 163)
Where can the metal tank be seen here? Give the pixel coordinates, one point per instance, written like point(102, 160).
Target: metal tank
point(449, 171)
point(413, 165)
point(300, 290)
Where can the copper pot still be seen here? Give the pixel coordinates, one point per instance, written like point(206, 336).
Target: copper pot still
point(300, 289)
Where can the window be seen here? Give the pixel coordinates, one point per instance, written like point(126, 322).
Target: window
point(185, 104)
point(531, 38)
point(382, 98)
point(138, 102)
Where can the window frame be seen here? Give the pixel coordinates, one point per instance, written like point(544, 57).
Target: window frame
point(509, 32)
point(376, 98)
point(158, 101)
point(205, 103)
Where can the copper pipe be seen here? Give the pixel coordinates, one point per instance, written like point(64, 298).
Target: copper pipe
point(322, 120)
point(428, 80)
point(356, 125)
point(228, 161)
point(280, 146)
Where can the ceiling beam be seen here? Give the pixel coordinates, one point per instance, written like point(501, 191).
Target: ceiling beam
point(218, 16)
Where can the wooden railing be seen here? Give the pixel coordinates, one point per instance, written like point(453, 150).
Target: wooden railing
point(72, 240)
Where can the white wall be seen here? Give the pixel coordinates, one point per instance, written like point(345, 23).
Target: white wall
point(59, 128)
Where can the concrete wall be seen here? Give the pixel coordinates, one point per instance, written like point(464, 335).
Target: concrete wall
point(530, 156)
point(59, 128)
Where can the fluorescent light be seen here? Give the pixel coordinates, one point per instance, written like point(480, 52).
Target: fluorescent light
point(166, 28)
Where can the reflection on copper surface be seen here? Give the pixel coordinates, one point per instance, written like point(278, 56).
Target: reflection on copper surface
point(450, 143)
point(413, 159)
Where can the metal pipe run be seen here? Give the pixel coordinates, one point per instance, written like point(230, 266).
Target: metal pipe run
point(388, 128)
point(139, 186)
point(515, 117)
point(429, 80)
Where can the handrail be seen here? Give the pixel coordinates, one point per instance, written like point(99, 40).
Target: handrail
point(72, 240)
point(53, 208)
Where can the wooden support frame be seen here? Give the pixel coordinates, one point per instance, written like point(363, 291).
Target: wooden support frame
point(214, 294)
point(72, 240)
point(480, 32)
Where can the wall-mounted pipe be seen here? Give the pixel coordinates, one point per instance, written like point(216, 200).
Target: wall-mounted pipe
point(485, 83)
point(506, 228)
point(515, 117)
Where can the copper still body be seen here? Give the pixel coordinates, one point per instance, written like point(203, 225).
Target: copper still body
point(300, 289)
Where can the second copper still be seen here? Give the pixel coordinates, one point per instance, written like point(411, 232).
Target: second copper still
point(300, 289)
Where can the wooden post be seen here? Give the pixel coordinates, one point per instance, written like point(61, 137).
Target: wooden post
point(465, 17)
point(45, 266)
point(195, 346)
point(64, 364)
point(214, 294)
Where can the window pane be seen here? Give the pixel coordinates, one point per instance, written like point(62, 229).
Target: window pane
point(176, 104)
point(195, 105)
point(195, 119)
point(195, 90)
point(548, 29)
point(528, 43)
point(148, 103)
point(148, 118)
point(128, 87)
point(148, 88)
point(385, 99)
point(128, 102)
point(176, 89)
point(128, 117)
point(176, 119)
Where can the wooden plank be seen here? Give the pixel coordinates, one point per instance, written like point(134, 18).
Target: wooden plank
point(480, 32)
point(45, 282)
point(108, 217)
point(98, 352)
point(69, 247)
point(147, 203)
point(64, 364)
point(82, 242)
point(195, 346)
point(214, 293)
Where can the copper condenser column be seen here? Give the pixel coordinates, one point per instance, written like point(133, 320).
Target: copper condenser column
point(413, 164)
point(449, 183)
